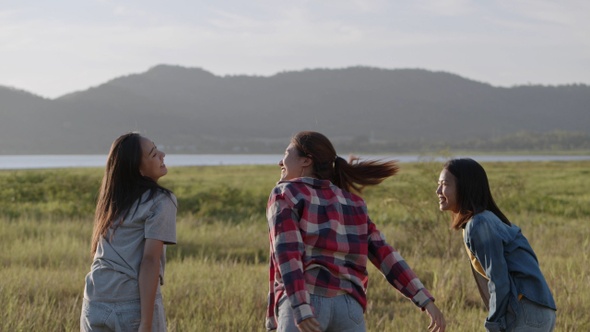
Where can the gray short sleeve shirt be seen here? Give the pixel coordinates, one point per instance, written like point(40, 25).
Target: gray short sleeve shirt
point(115, 270)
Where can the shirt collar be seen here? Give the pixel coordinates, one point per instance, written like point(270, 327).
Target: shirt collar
point(309, 181)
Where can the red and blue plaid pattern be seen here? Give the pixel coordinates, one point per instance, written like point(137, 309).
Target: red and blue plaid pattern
point(320, 240)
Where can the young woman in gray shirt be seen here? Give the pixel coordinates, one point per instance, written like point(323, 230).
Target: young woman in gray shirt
point(135, 218)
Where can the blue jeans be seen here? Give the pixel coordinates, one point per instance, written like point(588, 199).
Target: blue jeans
point(341, 313)
point(119, 316)
point(531, 318)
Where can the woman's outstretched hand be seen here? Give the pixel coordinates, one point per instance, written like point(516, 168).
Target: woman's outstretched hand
point(437, 320)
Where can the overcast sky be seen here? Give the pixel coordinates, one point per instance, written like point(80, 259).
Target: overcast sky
point(55, 47)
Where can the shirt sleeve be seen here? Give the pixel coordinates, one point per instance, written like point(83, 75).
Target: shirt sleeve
point(287, 250)
point(271, 322)
point(395, 269)
point(488, 248)
point(161, 221)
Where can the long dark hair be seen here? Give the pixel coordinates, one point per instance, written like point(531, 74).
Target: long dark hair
point(353, 175)
point(122, 185)
point(473, 191)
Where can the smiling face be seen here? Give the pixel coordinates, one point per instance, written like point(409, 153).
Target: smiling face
point(293, 165)
point(152, 160)
point(447, 192)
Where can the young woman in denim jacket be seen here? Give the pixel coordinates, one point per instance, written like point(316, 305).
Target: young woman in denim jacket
point(505, 266)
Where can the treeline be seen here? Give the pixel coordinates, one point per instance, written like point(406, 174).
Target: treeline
point(556, 141)
point(523, 141)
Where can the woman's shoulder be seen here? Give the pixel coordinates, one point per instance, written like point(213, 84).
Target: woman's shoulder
point(484, 215)
point(164, 203)
point(304, 189)
point(294, 185)
point(484, 219)
point(162, 196)
point(283, 186)
point(353, 197)
point(284, 189)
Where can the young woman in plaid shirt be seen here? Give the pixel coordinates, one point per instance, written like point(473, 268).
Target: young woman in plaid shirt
point(321, 239)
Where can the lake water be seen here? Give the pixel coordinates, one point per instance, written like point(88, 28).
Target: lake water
point(171, 160)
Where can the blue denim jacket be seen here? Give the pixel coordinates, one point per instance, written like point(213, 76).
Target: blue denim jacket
point(510, 265)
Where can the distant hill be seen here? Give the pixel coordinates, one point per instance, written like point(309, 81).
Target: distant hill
point(189, 110)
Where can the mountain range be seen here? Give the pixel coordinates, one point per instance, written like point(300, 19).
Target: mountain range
point(190, 110)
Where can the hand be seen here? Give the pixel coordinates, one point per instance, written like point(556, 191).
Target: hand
point(309, 325)
point(145, 328)
point(437, 320)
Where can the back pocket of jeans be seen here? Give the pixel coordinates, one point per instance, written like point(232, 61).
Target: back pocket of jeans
point(95, 314)
point(355, 310)
point(129, 316)
point(533, 314)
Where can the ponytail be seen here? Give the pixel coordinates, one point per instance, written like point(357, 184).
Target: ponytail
point(353, 175)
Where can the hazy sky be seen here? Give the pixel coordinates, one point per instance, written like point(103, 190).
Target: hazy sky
point(55, 47)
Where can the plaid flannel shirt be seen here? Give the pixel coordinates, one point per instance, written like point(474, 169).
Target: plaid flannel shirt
point(320, 240)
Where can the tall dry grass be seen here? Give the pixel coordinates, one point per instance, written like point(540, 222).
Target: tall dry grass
point(217, 273)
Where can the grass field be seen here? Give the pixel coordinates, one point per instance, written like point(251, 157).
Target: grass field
point(217, 273)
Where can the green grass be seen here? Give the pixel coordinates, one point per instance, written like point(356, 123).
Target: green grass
point(217, 274)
